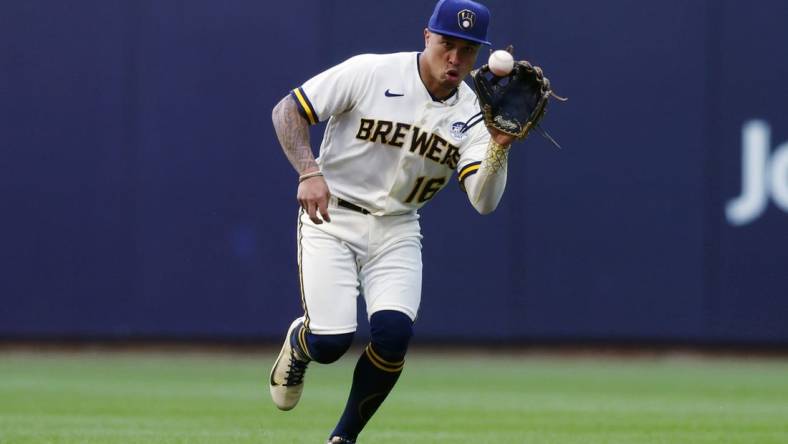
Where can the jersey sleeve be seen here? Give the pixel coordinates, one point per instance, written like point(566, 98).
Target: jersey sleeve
point(333, 91)
point(482, 171)
point(472, 156)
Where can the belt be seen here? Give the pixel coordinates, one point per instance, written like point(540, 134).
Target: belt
point(351, 206)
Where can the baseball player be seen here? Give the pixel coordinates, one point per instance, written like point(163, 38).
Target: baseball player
point(396, 133)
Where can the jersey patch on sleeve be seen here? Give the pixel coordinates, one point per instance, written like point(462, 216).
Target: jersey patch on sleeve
point(467, 171)
point(305, 107)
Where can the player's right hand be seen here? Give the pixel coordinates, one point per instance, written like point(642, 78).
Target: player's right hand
point(313, 195)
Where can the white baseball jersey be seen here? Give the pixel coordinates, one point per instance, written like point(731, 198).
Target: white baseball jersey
point(389, 147)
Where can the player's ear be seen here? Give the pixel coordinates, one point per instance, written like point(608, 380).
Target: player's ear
point(427, 34)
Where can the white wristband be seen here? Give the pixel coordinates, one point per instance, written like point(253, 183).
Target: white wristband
point(306, 176)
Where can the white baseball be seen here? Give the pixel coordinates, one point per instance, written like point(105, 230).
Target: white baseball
point(501, 63)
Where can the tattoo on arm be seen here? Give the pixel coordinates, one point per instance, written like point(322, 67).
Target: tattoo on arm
point(293, 134)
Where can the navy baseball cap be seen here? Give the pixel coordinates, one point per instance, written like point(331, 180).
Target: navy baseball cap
point(464, 19)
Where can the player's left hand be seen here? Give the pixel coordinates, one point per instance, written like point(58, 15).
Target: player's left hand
point(500, 137)
point(516, 106)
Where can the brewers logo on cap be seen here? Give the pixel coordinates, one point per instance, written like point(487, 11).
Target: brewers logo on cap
point(462, 19)
point(466, 18)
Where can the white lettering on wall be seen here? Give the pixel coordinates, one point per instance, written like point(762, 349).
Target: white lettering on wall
point(762, 175)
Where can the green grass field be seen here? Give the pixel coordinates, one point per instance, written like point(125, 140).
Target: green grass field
point(221, 398)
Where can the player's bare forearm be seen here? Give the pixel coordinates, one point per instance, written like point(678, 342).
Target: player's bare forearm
point(293, 134)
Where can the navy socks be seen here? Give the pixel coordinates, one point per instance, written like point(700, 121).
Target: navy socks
point(377, 370)
point(324, 349)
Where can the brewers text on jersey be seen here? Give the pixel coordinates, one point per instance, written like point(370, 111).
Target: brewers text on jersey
point(428, 145)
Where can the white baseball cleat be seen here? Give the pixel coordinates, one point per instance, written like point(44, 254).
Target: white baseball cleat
point(340, 440)
point(287, 375)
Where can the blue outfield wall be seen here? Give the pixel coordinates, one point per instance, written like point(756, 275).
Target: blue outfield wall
point(143, 193)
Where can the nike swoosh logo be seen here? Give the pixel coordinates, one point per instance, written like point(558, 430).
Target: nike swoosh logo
point(391, 94)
